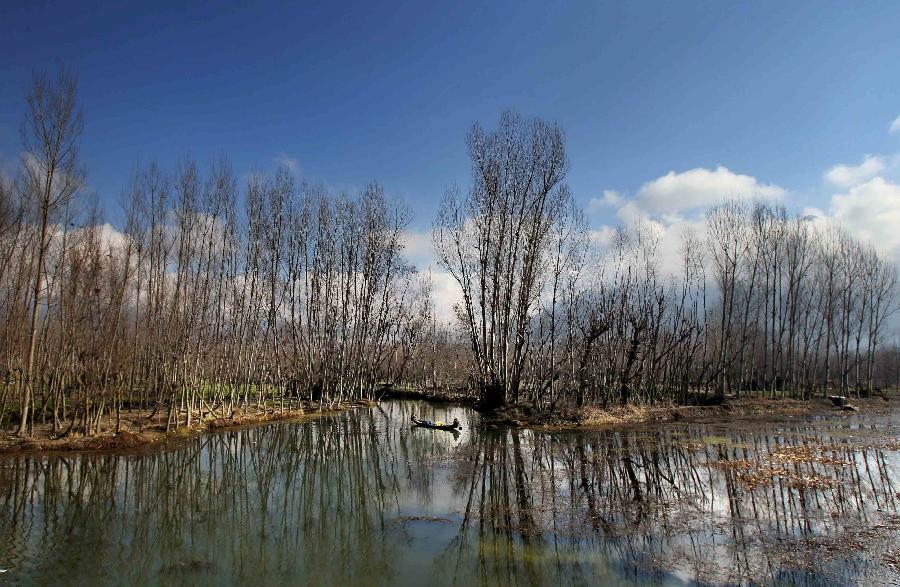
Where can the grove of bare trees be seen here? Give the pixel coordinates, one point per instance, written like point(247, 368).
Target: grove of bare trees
point(211, 297)
point(216, 294)
point(763, 303)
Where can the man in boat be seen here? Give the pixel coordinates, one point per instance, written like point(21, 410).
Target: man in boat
point(436, 423)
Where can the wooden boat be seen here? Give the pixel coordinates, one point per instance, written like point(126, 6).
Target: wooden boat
point(437, 425)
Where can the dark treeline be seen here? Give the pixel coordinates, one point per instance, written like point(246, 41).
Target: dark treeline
point(216, 294)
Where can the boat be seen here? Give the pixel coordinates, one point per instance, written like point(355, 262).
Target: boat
point(437, 424)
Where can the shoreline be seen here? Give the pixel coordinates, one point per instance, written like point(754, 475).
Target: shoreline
point(447, 397)
point(155, 433)
point(516, 416)
point(731, 410)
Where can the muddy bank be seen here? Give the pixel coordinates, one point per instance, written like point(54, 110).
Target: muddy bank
point(525, 415)
point(137, 430)
point(437, 396)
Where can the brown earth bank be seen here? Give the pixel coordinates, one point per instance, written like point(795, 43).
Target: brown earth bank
point(571, 417)
point(138, 430)
point(460, 396)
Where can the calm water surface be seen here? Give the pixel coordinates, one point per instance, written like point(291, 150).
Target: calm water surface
point(360, 498)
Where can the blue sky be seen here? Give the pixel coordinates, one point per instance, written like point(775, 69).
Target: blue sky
point(775, 92)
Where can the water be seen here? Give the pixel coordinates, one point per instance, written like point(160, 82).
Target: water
point(361, 498)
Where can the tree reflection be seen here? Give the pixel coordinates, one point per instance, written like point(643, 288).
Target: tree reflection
point(360, 498)
point(705, 508)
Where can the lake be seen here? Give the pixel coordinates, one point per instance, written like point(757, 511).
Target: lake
point(362, 498)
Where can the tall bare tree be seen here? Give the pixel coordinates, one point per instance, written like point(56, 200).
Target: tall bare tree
point(51, 176)
point(496, 239)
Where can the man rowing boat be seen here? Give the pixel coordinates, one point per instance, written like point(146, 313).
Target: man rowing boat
point(437, 424)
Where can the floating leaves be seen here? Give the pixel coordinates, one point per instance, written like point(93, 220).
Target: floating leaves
point(808, 454)
point(786, 464)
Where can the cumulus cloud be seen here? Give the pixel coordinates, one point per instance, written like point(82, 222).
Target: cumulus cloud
point(817, 216)
point(62, 182)
point(871, 211)
point(672, 206)
point(290, 163)
point(418, 248)
point(111, 239)
point(602, 236)
point(445, 291)
point(675, 193)
point(609, 199)
point(668, 235)
point(850, 175)
point(446, 295)
point(895, 126)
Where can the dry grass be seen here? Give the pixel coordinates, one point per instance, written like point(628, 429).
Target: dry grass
point(621, 415)
point(137, 430)
point(731, 409)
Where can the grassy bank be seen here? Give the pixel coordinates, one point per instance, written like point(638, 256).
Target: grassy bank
point(525, 415)
point(136, 429)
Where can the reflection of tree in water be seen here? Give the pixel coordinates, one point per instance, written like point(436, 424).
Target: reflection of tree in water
point(326, 502)
point(269, 503)
point(757, 505)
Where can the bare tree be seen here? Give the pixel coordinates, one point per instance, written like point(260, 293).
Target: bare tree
point(495, 240)
point(51, 176)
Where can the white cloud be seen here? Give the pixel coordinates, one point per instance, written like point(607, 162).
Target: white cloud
point(670, 238)
point(446, 294)
point(671, 206)
point(871, 212)
point(62, 182)
point(610, 199)
point(895, 126)
point(814, 215)
point(602, 236)
point(418, 248)
point(631, 212)
point(700, 188)
point(291, 163)
point(667, 237)
point(111, 239)
point(850, 175)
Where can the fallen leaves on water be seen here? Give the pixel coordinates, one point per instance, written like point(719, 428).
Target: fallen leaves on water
point(811, 482)
point(755, 474)
point(892, 558)
point(807, 454)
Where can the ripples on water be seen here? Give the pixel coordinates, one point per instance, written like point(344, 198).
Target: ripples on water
point(362, 498)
